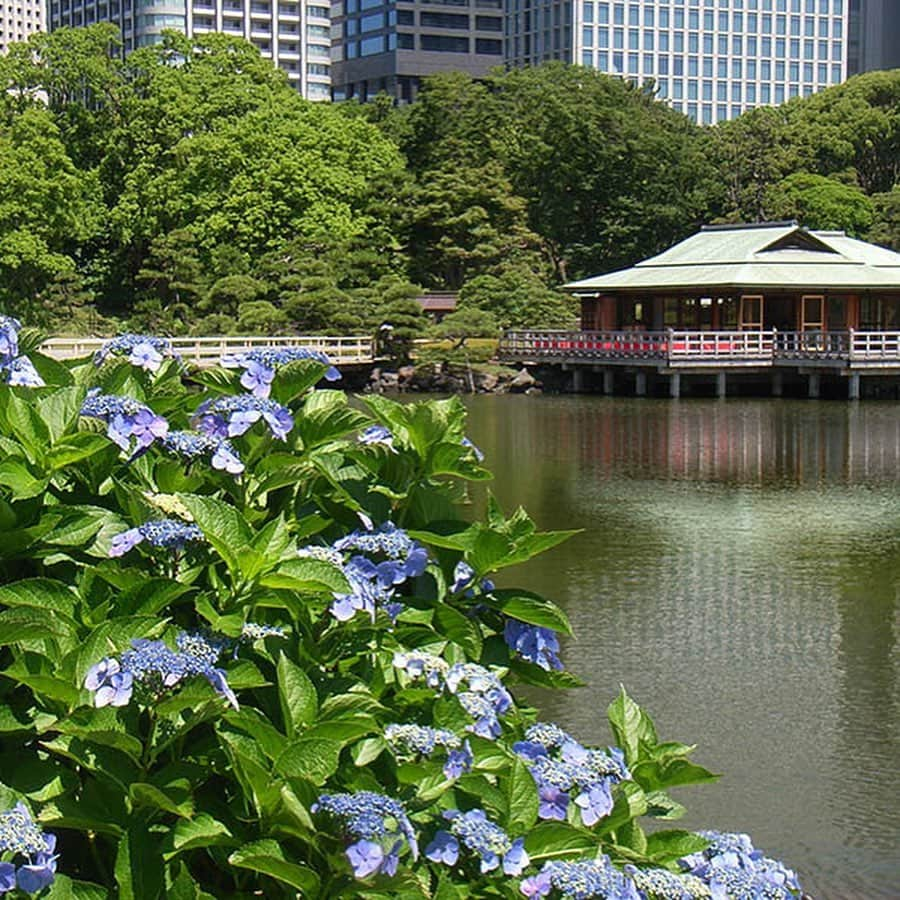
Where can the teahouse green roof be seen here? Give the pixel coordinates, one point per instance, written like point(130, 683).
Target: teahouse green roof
point(768, 256)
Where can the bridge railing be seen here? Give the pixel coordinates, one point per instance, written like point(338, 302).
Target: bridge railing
point(874, 347)
point(720, 346)
point(206, 351)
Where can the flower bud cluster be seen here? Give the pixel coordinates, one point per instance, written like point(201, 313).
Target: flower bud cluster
point(378, 827)
point(191, 445)
point(479, 690)
point(422, 740)
point(125, 419)
point(733, 867)
point(477, 833)
point(15, 369)
point(142, 350)
point(229, 417)
point(581, 880)
point(561, 768)
point(166, 534)
point(261, 365)
point(661, 884)
point(30, 863)
point(158, 669)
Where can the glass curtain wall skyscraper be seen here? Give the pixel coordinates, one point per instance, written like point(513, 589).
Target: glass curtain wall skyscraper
point(710, 59)
point(294, 34)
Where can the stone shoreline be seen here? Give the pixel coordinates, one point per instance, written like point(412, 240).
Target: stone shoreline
point(446, 378)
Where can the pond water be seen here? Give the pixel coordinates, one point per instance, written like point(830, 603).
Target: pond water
point(739, 572)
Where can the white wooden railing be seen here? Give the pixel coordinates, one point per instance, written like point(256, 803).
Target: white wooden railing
point(874, 346)
point(721, 346)
point(206, 351)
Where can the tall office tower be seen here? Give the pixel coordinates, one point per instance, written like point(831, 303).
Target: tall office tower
point(874, 35)
point(711, 59)
point(294, 34)
point(18, 20)
point(389, 45)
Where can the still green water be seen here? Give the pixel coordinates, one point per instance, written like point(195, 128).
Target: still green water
point(739, 572)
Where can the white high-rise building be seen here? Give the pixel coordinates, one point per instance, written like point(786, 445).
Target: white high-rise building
point(294, 34)
point(18, 20)
point(710, 59)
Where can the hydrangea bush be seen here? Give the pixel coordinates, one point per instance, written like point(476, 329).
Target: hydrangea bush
point(251, 645)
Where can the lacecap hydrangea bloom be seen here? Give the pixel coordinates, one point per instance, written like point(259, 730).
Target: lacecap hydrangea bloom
point(165, 534)
point(734, 868)
point(565, 771)
point(29, 855)
point(16, 370)
point(261, 365)
point(479, 691)
point(375, 562)
point(581, 880)
point(474, 831)
point(142, 350)
point(228, 417)
point(157, 669)
point(377, 827)
point(423, 740)
point(126, 419)
point(193, 445)
point(661, 884)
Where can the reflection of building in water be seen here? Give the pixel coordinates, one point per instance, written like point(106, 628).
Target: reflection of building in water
point(746, 443)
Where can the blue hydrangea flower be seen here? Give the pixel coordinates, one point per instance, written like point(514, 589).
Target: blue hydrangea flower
point(661, 884)
point(377, 826)
point(564, 770)
point(477, 833)
point(158, 668)
point(142, 350)
point(581, 880)
point(422, 740)
point(534, 643)
point(33, 864)
point(469, 445)
point(732, 867)
point(125, 419)
point(166, 534)
point(192, 445)
point(9, 337)
point(377, 434)
point(261, 365)
point(464, 575)
point(417, 664)
point(21, 372)
point(254, 631)
point(232, 416)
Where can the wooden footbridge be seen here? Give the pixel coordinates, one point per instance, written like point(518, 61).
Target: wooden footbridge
point(208, 351)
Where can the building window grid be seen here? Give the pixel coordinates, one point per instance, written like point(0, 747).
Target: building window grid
point(763, 89)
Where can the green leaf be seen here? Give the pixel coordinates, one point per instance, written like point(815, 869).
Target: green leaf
point(315, 759)
point(661, 806)
point(297, 694)
point(523, 798)
point(667, 846)
point(460, 629)
point(555, 840)
point(200, 831)
point(267, 857)
point(310, 575)
point(222, 525)
point(149, 795)
point(138, 868)
point(27, 425)
point(40, 593)
point(533, 609)
point(630, 802)
point(630, 725)
point(75, 448)
point(15, 475)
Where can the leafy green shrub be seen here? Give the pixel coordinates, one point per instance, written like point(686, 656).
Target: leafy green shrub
point(249, 647)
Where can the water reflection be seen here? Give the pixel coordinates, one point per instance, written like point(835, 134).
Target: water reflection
point(738, 571)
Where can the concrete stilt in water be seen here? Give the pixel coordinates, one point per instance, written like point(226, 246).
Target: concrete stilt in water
point(814, 384)
point(853, 386)
point(607, 381)
point(675, 385)
point(640, 384)
point(577, 379)
point(721, 382)
point(777, 384)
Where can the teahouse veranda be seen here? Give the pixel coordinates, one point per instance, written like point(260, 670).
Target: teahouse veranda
point(744, 297)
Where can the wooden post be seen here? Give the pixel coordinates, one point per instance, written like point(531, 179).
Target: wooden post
point(777, 384)
point(721, 383)
point(853, 386)
point(675, 385)
point(608, 381)
point(640, 384)
point(577, 379)
point(814, 384)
